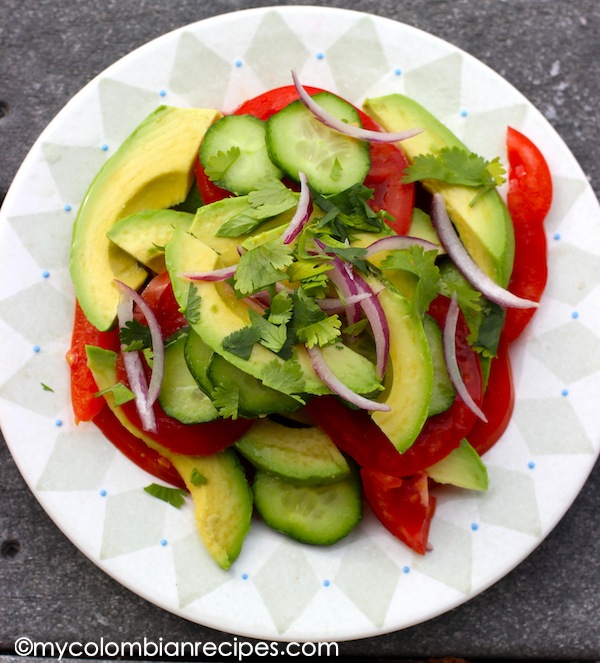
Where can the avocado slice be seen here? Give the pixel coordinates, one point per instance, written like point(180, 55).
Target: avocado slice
point(486, 227)
point(462, 467)
point(409, 378)
point(152, 169)
point(144, 235)
point(222, 501)
point(220, 314)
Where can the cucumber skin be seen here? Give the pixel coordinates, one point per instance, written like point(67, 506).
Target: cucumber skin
point(277, 503)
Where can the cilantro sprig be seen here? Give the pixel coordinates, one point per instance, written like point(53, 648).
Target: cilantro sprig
point(454, 165)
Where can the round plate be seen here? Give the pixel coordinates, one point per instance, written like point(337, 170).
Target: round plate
point(369, 583)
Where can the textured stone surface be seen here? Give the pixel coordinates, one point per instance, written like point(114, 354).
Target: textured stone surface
point(548, 607)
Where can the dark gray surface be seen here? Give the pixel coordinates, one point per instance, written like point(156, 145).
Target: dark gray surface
point(549, 607)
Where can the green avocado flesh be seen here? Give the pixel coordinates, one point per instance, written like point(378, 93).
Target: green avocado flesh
point(486, 227)
point(222, 501)
point(152, 169)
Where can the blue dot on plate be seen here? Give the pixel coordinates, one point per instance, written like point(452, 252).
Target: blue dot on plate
point(58, 422)
point(575, 315)
point(67, 208)
point(531, 465)
point(238, 63)
point(406, 569)
point(46, 274)
point(103, 493)
point(564, 392)
point(397, 71)
point(326, 583)
point(162, 93)
point(163, 542)
point(556, 236)
point(36, 348)
point(104, 147)
point(464, 113)
point(474, 526)
point(320, 55)
point(244, 576)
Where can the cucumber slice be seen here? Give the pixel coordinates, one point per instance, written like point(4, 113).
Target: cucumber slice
point(443, 393)
point(180, 397)
point(300, 455)
point(255, 399)
point(319, 515)
point(197, 357)
point(298, 142)
point(234, 154)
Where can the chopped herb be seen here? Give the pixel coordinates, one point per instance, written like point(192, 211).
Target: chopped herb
point(272, 336)
point(198, 479)
point(173, 496)
point(218, 164)
point(226, 399)
point(457, 166)
point(286, 376)
point(135, 336)
point(192, 308)
point(356, 328)
point(280, 311)
point(262, 266)
point(120, 392)
point(241, 342)
point(322, 332)
point(310, 324)
point(45, 387)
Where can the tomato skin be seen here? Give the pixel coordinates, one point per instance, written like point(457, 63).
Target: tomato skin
point(529, 199)
point(83, 386)
point(498, 403)
point(135, 449)
point(404, 506)
point(159, 296)
point(387, 161)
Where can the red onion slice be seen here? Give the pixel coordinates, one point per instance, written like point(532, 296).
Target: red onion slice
point(338, 387)
point(466, 265)
point(221, 274)
point(449, 339)
point(343, 281)
point(399, 243)
point(349, 129)
point(337, 304)
point(302, 214)
point(145, 395)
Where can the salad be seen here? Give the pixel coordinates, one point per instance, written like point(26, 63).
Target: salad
point(303, 308)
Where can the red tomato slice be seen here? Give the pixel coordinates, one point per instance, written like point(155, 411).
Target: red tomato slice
point(498, 403)
point(529, 198)
point(83, 386)
point(404, 506)
point(158, 294)
point(387, 162)
point(135, 449)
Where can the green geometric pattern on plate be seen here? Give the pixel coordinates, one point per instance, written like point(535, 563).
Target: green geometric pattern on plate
point(285, 586)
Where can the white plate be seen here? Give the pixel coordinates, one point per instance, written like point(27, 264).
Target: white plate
point(369, 583)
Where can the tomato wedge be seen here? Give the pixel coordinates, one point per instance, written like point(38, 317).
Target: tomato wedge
point(404, 506)
point(135, 449)
point(529, 199)
point(498, 403)
point(83, 386)
point(159, 296)
point(387, 162)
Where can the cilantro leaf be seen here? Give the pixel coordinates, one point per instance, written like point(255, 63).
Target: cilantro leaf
point(422, 264)
point(135, 336)
point(241, 342)
point(45, 387)
point(455, 165)
point(192, 307)
point(120, 392)
point(485, 338)
point(322, 332)
point(218, 164)
point(280, 311)
point(286, 377)
point(262, 266)
point(271, 198)
point(173, 496)
point(272, 336)
point(226, 399)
